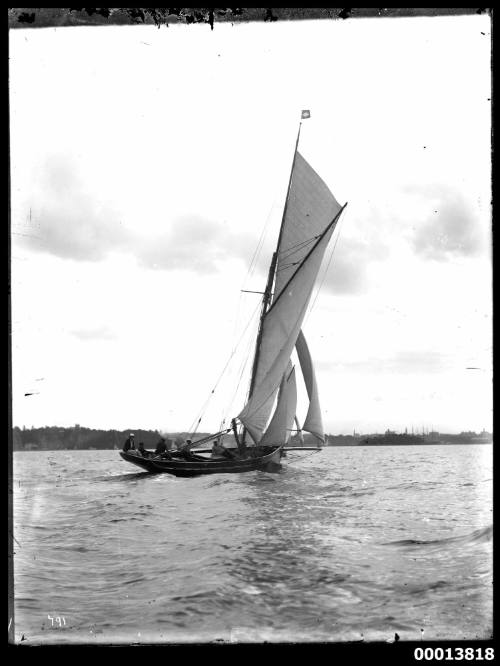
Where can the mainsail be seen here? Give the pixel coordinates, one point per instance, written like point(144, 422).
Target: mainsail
point(309, 219)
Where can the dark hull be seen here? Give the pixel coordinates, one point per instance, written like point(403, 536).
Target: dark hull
point(181, 467)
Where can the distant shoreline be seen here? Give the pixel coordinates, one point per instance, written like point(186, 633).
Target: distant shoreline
point(326, 446)
point(80, 438)
point(443, 443)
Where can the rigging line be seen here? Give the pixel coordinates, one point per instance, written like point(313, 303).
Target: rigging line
point(195, 424)
point(290, 255)
point(201, 412)
point(242, 372)
point(257, 250)
point(282, 268)
point(258, 247)
point(298, 246)
point(326, 270)
point(193, 433)
point(243, 366)
point(253, 263)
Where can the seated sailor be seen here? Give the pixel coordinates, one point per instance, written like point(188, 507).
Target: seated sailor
point(161, 447)
point(185, 451)
point(142, 451)
point(219, 450)
point(162, 451)
point(129, 443)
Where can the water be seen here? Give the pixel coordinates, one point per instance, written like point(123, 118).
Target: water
point(343, 545)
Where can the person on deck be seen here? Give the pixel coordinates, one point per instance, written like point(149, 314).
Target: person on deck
point(218, 450)
point(185, 451)
point(221, 451)
point(142, 451)
point(162, 451)
point(161, 447)
point(129, 443)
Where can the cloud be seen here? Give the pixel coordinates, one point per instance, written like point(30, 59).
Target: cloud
point(346, 276)
point(407, 362)
point(71, 223)
point(452, 227)
point(193, 243)
point(435, 222)
point(68, 221)
point(348, 270)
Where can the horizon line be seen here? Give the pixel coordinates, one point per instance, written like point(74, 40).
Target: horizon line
point(353, 431)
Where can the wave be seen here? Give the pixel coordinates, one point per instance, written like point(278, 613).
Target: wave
point(477, 536)
point(134, 580)
point(124, 477)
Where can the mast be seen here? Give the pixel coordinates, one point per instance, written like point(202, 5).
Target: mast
point(239, 443)
point(270, 278)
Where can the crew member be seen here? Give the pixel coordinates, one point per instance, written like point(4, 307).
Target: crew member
point(161, 447)
point(129, 443)
point(142, 451)
point(185, 451)
point(218, 450)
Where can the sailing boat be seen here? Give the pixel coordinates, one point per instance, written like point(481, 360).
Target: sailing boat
point(310, 216)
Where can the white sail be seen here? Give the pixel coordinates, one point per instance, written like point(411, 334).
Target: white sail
point(310, 208)
point(280, 328)
point(280, 427)
point(314, 421)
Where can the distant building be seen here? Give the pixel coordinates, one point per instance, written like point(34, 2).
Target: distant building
point(483, 436)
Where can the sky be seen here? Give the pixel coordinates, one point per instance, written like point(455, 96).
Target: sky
point(149, 170)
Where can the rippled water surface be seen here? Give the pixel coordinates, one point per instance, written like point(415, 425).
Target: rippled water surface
point(346, 544)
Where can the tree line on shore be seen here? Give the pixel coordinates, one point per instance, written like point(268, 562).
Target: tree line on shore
point(53, 438)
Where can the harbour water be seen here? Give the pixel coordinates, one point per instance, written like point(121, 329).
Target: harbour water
point(348, 544)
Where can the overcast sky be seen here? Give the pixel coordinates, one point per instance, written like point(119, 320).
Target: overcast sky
point(146, 165)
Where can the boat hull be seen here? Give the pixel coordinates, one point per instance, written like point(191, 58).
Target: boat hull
point(268, 462)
